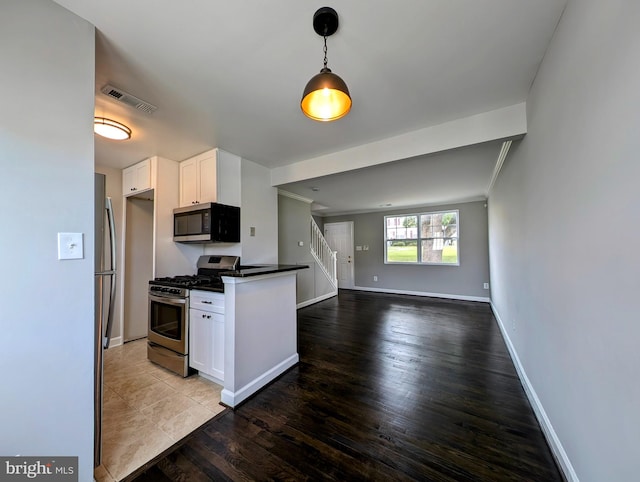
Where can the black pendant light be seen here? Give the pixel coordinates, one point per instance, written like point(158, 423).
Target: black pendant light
point(326, 96)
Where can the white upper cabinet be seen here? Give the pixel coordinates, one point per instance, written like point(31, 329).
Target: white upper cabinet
point(198, 183)
point(137, 178)
point(213, 176)
point(188, 182)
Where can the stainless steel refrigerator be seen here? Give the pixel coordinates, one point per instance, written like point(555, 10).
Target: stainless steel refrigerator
point(105, 292)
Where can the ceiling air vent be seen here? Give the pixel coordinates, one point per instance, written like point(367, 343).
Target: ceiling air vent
point(130, 100)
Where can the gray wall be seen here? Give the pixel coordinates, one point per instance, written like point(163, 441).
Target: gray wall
point(564, 236)
point(319, 221)
point(465, 280)
point(293, 226)
point(46, 187)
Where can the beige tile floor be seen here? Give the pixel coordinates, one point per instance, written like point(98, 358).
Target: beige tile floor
point(147, 409)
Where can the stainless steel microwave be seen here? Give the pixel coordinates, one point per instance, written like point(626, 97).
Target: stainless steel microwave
point(206, 223)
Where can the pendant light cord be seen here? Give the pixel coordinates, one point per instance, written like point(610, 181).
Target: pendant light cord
point(325, 51)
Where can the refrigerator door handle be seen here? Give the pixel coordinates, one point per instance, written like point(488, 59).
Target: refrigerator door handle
point(111, 272)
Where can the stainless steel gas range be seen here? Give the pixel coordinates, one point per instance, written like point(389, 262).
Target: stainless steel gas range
point(168, 340)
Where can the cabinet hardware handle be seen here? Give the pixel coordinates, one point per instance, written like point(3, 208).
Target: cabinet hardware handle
point(207, 302)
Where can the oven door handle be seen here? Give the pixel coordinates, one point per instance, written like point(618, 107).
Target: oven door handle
point(168, 301)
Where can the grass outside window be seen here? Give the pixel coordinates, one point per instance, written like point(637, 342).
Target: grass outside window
point(426, 238)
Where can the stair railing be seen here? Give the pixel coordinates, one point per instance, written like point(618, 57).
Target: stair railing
point(324, 255)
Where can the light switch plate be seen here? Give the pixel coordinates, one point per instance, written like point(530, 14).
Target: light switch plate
point(70, 246)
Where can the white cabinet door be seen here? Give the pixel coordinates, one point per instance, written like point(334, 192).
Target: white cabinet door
point(206, 333)
point(143, 175)
point(217, 357)
point(188, 183)
point(200, 336)
point(137, 178)
point(128, 181)
point(198, 179)
point(207, 179)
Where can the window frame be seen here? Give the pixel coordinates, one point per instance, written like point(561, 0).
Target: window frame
point(421, 238)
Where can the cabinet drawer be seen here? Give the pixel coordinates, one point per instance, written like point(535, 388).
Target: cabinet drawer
point(207, 301)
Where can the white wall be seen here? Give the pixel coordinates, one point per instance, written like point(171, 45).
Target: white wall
point(46, 187)
point(138, 268)
point(565, 268)
point(260, 210)
point(229, 172)
point(504, 123)
point(170, 258)
point(257, 353)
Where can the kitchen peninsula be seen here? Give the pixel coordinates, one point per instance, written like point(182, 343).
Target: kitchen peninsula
point(260, 328)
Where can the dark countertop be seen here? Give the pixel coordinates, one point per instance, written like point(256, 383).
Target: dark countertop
point(248, 271)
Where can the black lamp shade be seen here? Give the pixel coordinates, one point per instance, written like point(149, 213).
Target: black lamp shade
point(326, 97)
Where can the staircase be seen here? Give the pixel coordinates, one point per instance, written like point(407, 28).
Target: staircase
point(325, 257)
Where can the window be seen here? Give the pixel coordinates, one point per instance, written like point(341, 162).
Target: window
point(427, 238)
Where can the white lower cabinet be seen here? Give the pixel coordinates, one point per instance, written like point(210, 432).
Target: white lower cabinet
point(206, 334)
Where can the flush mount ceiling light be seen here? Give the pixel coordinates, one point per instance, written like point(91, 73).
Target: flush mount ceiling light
point(111, 129)
point(326, 96)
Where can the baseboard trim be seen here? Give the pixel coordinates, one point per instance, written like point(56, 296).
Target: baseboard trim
point(211, 378)
point(316, 300)
point(115, 341)
point(482, 299)
point(232, 399)
point(547, 428)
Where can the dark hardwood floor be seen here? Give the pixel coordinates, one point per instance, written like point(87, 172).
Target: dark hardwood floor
point(389, 387)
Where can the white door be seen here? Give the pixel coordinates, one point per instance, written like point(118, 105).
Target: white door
point(340, 239)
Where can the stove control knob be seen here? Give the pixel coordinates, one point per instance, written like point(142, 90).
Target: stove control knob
point(174, 291)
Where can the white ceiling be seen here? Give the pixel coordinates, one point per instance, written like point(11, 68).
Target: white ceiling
point(452, 176)
point(230, 74)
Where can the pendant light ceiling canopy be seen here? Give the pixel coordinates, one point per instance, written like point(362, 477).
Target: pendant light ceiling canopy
point(326, 96)
point(111, 129)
